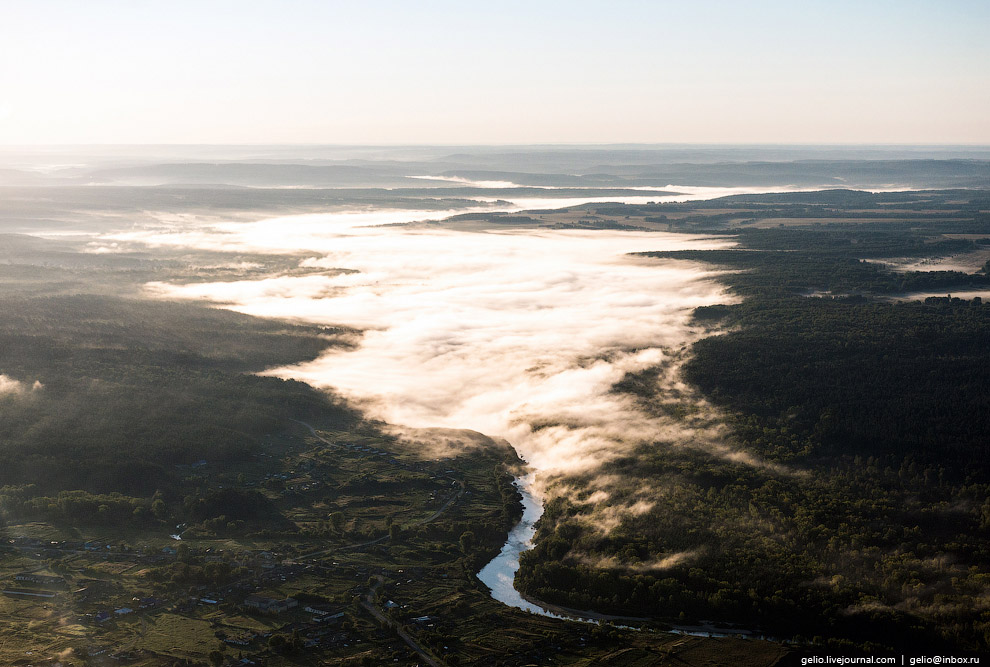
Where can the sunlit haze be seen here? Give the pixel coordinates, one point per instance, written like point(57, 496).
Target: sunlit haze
point(453, 72)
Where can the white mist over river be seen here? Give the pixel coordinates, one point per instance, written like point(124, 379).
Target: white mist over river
point(518, 334)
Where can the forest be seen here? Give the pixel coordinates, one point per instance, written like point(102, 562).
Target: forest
point(128, 390)
point(112, 401)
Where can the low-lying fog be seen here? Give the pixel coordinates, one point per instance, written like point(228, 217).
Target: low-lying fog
point(517, 334)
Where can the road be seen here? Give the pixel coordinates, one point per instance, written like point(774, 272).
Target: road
point(369, 604)
point(313, 431)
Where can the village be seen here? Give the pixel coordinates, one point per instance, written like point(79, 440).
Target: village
point(311, 592)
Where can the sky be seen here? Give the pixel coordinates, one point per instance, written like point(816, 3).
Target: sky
point(438, 72)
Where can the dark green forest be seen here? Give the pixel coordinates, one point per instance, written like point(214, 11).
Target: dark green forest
point(112, 396)
point(130, 389)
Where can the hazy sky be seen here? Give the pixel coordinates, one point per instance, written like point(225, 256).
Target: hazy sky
point(255, 71)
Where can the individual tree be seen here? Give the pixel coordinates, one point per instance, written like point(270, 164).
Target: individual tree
point(467, 542)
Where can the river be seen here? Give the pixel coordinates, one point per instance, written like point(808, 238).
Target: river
point(500, 574)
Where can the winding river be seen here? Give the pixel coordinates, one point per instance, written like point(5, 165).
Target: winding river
point(500, 574)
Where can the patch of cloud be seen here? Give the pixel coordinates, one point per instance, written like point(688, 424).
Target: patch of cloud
point(441, 442)
point(472, 183)
point(97, 248)
point(10, 386)
point(654, 565)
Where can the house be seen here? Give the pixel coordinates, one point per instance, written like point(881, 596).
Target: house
point(317, 609)
point(270, 605)
point(323, 613)
point(123, 611)
point(241, 640)
point(103, 617)
point(329, 618)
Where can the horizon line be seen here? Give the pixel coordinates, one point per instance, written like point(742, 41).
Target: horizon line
point(563, 144)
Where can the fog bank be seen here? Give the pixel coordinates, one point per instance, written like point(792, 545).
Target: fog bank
point(516, 334)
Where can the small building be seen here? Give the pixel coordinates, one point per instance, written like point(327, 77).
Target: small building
point(323, 613)
point(270, 605)
point(241, 640)
point(34, 594)
point(40, 579)
point(329, 618)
